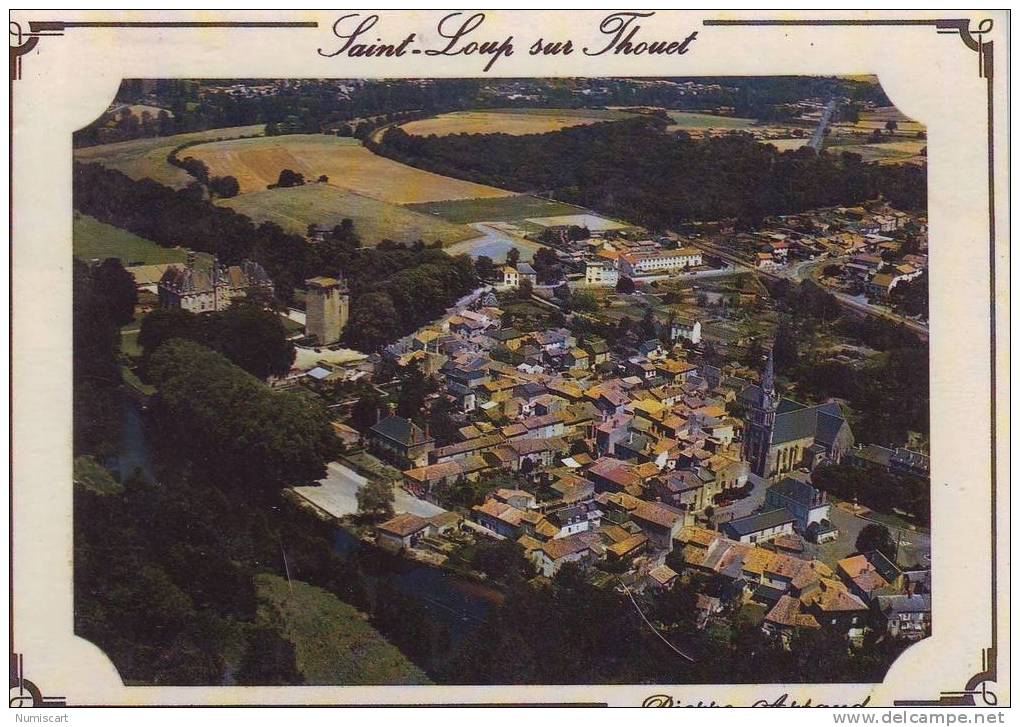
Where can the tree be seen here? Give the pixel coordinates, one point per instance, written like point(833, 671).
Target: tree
point(414, 387)
point(891, 125)
point(323, 179)
point(485, 268)
point(624, 285)
point(585, 301)
point(247, 334)
point(253, 338)
point(374, 322)
point(501, 560)
point(117, 286)
point(232, 425)
point(289, 178)
point(375, 500)
point(224, 187)
point(784, 349)
point(525, 290)
point(96, 373)
point(365, 411)
point(877, 537)
point(648, 325)
point(513, 256)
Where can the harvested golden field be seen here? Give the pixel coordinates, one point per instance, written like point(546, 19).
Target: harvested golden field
point(257, 163)
point(141, 158)
point(877, 118)
point(515, 122)
point(294, 208)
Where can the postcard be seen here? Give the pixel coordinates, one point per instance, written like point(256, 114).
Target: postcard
point(627, 358)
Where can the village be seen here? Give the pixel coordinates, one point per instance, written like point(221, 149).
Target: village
point(482, 392)
point(634, 460)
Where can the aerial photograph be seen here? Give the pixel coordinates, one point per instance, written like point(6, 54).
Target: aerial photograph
point(506, 381)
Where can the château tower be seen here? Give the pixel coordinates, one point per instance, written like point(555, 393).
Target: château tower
point(761, 420)
point(327, 309)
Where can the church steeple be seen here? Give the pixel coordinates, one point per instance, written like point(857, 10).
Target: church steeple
point(760, 421)
point(768, 378)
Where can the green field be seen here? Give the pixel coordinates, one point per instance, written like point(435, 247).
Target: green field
point(693, 120)
point(494, 209)
point(94, 239)
point(333, 642)
point(147, 157)
point(294, 208)
point(511, 121)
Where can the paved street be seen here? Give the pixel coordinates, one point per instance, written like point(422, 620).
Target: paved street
point(337, 494)
point(748, 505)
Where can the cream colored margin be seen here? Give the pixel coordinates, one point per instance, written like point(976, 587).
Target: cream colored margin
point(67, 80)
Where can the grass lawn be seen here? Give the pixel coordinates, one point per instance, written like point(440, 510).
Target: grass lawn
point(295, 208)
point(94, 239)
point(515, 122)
point(94, 477)
point(694, 120)
point(129, 342)
point(147, 157)
point(494, 209)
point(752, 613)
point(370, 466)
point(333, 641)
point(257, 163)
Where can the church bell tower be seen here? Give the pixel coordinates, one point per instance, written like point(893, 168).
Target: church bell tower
point(760, 421)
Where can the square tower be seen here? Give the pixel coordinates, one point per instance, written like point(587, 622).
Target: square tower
point(327, 308)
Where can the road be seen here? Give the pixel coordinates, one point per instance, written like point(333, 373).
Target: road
point(803, 270)
point(337, 494)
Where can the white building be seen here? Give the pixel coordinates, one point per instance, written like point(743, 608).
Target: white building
point(600, 272)
point(665, 261)
point(686, 328)
point(511, 278)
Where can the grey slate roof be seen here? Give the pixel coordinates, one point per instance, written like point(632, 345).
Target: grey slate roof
point(762, 521)
point(918, 603)
point(399, 430)
point(796, 490)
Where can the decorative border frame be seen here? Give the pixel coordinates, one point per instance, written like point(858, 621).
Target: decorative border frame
point(23, 42)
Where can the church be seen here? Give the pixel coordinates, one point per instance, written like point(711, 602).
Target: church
point(783, 435)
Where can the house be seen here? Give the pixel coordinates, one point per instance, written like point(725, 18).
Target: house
point(582, 548)
point(401, 441)
point(906, 616)
point(805, 502)
point(685, 328)
point(662, 577)
point(761, 527)
point(600, 273)
point(511, 278)
point(520, 499)
point(445, 522)
point(503, 519)
point(835, 607)
point(786, 618)
point(526, 272)
point(862, 577)
point(403, 531)
point(598, 349)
